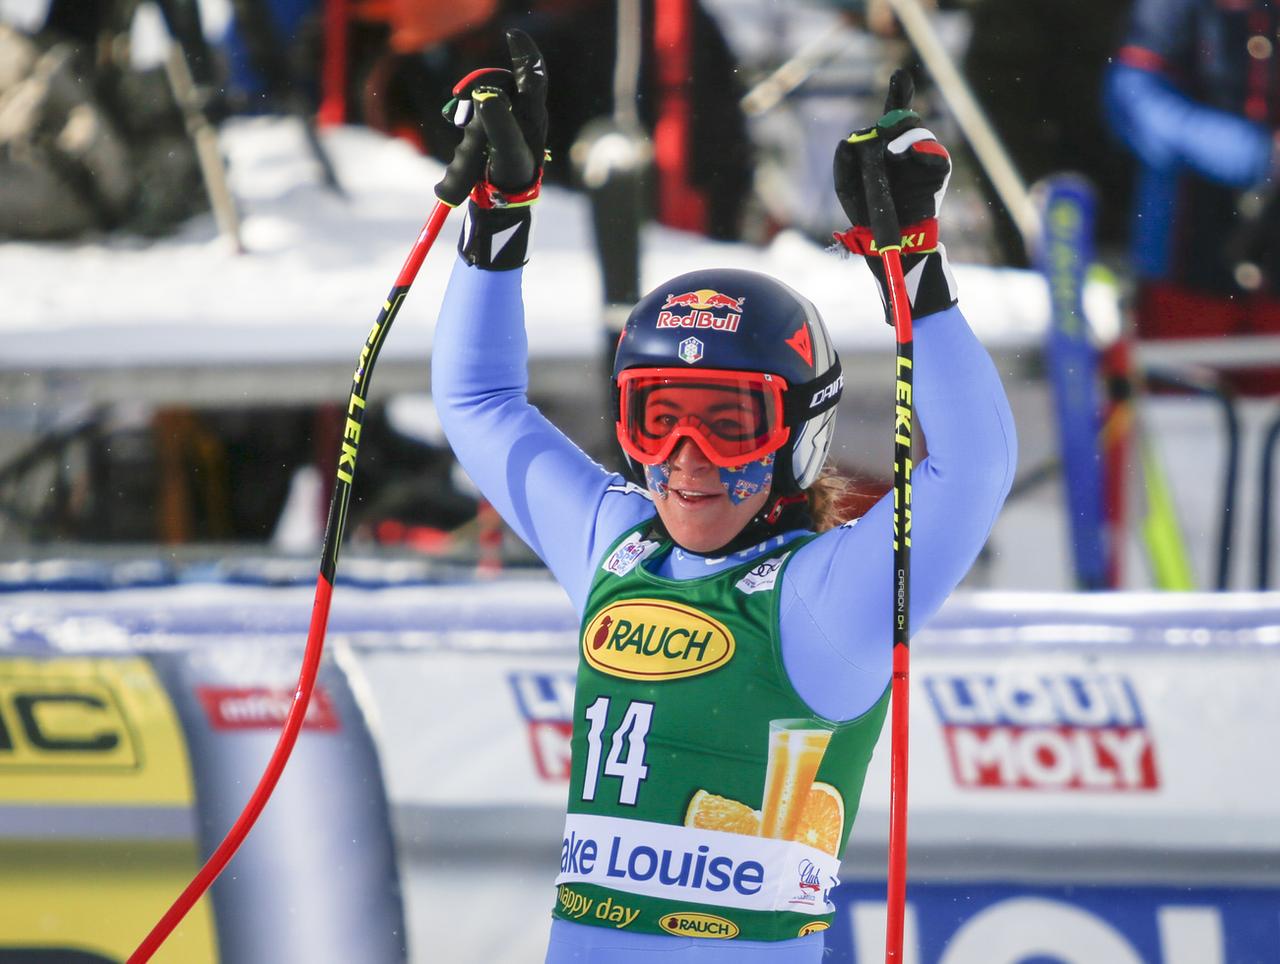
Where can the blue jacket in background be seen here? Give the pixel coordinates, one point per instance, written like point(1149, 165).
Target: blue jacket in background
point(1195, 95)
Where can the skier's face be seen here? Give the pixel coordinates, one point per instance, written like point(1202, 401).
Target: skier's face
point(693, 502)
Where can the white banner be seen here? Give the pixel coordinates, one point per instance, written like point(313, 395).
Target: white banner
point(1111, 720)
point(1014, 746)
point(702, 866)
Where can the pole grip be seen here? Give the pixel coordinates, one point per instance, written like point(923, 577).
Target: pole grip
point(467, 168)
point(875, 182)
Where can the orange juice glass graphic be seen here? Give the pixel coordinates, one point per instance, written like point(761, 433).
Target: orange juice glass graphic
point(796, 748)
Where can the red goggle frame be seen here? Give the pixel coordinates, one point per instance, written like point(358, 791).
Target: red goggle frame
point(733, 417)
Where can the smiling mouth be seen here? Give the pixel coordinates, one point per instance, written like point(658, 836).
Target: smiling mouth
point(692, 497)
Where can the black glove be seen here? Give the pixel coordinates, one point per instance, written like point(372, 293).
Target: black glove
point(499, 163)
point(918, 169)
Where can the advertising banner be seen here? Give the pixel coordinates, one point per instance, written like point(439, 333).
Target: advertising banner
point(1093, 780)
point(120, 773)
point(983, 923)
point(94, 776)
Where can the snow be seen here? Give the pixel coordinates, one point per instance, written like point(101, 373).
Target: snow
point(319, 267)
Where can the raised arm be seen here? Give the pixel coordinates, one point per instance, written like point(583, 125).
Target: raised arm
point(837, 595)
point(565, 506)
point(838, 592)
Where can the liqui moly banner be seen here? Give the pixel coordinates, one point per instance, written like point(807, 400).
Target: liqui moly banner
point(1044, 731)
point(1092, 748)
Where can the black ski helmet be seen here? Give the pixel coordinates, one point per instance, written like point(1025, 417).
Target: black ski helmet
point(731, 319)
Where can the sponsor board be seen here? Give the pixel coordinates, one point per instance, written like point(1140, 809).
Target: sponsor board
point(975, 922)
point(1045, 731)
point(702, 866)
point(545, 702)
point(89, 730)
point(654, 640)
point(83, 736)
point(50, 722)
point(65, 897)
point(263, 708)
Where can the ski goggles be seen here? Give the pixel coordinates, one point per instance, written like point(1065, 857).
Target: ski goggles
point(733, 417)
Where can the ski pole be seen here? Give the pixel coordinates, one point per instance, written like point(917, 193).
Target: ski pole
point(324, 592)
point(466, 168)
point(888, 241)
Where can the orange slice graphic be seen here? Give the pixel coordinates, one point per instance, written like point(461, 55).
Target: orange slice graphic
point(822, 819)
point(709, 812)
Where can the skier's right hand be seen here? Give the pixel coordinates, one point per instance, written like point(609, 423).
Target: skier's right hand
point(504, 116)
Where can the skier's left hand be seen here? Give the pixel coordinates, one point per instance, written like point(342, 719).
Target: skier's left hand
point(918, 166)
point(918, 169)
point(504, 115)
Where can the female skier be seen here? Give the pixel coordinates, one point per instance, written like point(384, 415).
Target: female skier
point(735, 647)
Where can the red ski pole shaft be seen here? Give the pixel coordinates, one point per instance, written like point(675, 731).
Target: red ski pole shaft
point(320, 608)
point(888, 241)
point(899, 727)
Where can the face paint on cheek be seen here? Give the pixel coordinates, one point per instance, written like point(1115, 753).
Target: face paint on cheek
point(744, 481)
point(658, 478)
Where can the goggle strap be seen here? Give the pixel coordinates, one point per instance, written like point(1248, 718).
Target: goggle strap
point(814, 397)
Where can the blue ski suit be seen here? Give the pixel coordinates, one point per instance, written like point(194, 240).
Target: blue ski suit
point(835, 608)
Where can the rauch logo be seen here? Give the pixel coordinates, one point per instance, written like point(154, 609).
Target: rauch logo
point(1062, 731)
point(698, 925)
point(653, 639)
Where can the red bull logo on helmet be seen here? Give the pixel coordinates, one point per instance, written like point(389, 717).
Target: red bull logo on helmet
point(707, 308)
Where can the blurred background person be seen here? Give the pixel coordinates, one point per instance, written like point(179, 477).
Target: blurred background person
point(1194, 94)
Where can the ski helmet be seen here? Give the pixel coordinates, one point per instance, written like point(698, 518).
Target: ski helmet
point(718, 322)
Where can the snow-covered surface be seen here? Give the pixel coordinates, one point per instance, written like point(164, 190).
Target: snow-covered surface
point(319, 267)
